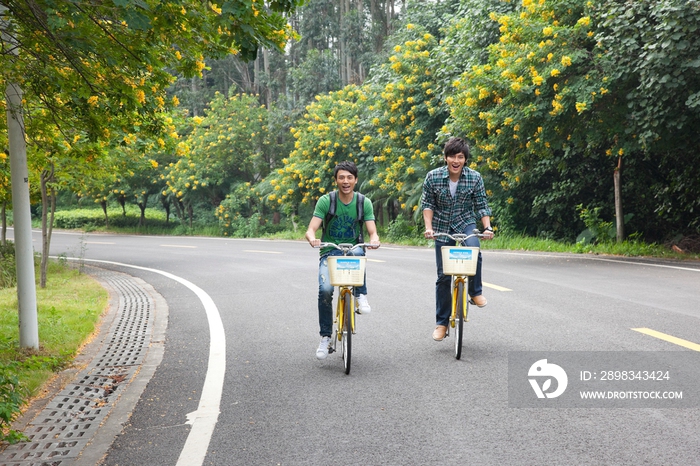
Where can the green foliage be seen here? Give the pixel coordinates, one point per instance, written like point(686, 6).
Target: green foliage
point(93, 218)
point(11, 401)
point(402, 229)
point(597, 229)
point(8, 271)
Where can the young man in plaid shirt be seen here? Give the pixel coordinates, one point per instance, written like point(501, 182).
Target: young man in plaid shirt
point(453, 199)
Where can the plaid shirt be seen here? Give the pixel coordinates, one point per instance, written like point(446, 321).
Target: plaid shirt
point(452, 215)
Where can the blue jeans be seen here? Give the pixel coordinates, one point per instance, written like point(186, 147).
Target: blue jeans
point(325, 291)
point(443, 285)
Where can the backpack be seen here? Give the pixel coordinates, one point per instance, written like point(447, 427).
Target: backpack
point(333, 195)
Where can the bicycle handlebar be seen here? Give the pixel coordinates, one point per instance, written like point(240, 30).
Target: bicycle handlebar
point(346, 247)
point(461, 237)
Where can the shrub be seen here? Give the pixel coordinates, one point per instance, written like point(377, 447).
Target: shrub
point(8, 271)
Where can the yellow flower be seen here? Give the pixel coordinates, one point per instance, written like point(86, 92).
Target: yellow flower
point(92, 100)
point(547, 31)
point(585, 21)
point(580, 107)
point(555, 72)
point(566, 61)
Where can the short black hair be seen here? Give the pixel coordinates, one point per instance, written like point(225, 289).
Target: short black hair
point(455, 146)
point(347, 166)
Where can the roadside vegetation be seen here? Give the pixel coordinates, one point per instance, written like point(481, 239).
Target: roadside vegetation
point(68, 310)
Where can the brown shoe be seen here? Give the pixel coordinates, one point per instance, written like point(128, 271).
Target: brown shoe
point(478, 300)
point(439, 333)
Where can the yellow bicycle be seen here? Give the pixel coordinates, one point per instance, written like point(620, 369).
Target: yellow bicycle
point(346, 272)
point(460, 262)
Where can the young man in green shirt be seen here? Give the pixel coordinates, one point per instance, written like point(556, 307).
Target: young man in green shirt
point(344, 227)
point(452, 200)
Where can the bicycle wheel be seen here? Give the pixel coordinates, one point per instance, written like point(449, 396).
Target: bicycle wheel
point(459, 318)
point(347, 330)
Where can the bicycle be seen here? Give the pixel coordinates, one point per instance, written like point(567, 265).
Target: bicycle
point(346, 272)
point(460, 262)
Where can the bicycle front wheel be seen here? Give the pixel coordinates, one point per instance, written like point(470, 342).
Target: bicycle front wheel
point(348, 309)
point(460, 303)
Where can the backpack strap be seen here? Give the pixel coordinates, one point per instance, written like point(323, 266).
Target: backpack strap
point(361, 216)
point(333, 196)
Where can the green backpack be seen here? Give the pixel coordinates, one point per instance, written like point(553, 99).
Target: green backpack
point(333, 195)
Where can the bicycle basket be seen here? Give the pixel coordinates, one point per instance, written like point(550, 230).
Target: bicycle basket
point(459, 260)
point(347, 270)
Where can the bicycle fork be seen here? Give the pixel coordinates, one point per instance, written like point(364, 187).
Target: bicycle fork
point(455, 296)
point(344, 294)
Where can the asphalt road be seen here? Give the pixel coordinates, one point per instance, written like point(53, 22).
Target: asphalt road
point(407, 401)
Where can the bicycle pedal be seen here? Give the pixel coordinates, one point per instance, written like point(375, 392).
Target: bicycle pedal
point(331, 350)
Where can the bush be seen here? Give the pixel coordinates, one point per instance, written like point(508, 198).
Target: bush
point(8, 270)
point(11, 394)
point(88, 219)
point(402, 229)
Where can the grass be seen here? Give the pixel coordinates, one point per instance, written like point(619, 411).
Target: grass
point(68, 310)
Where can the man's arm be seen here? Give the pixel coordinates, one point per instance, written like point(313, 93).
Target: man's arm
point(314, 225)
point(373, 235)
point(428, 219)
point(486, 222)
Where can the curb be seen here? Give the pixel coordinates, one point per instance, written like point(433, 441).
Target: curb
point(84, 408)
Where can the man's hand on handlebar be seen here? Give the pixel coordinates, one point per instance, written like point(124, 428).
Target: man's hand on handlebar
point(428, 234)
point(315, 243)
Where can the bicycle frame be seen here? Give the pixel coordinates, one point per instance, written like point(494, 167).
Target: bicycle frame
point(346, 305)
point(460, 289)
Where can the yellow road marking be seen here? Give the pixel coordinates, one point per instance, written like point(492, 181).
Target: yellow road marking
point(495, 287)
point(262, 252)
point(669, 338)
point(176, 246)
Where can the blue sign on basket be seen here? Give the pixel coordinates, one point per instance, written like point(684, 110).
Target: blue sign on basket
point(348, 264)
point(460, 254)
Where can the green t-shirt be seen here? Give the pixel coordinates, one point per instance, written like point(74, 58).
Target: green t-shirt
point(343, 227)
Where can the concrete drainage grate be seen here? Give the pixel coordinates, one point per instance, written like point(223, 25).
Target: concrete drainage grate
point(65, 426)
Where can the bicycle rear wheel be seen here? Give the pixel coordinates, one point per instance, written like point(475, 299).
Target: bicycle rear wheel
point(347, 330)
point(459, 318)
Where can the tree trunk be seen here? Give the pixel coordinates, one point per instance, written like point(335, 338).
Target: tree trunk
point(266, 69)
point(142, 206)
point(3, 229)
point(619, 216)
point(103, 204)
point(256, 75)
point(48, 208)
point(180, 210)
point(165, 202)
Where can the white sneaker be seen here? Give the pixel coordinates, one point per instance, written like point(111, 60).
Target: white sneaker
point(322, 351)
point(363, 305)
